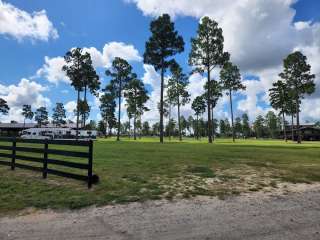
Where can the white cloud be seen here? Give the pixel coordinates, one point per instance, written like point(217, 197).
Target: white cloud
point(250, 103)
point(112, 50)
point(119, 49)
point(26, 92)
point(52, 68)
point(96, 56)
point(152, 78)
point(70, 106)
point(259, 35)
point(20, 24)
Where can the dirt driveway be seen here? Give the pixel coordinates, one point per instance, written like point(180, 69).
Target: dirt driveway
point(294, 215)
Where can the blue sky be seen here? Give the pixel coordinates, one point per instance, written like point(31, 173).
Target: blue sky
point(87, 23)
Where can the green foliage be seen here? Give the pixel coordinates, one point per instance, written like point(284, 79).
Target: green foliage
point(102, 127)
point(258, 126)
point(299, 80)
point(280, 98)
point(230, 78)
point(155, 129)
point(83, 109)
point(107, 108)
point(297, 75)
point(176, 87)
point(136, 97)
point(59, 114)
point(121, 74)
point(246, 125)
point(27, 112)
point(92, 125)
point(4, 108)
point(206, 54)
point(272, 124)
point(231, 81)
point(83, 76)
point(225, 128)
point(77, 62)
point(163, 43)
point(41, 116)
point(170, 127)
point(207, 47)
point(198, 105)
point(216, 92)
point(146, 128)
point(177, 93)
point(238, 127)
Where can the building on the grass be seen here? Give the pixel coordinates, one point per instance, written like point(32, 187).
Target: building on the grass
point(309, 132)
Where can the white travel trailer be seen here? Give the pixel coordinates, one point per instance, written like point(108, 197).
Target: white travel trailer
point(57, 133)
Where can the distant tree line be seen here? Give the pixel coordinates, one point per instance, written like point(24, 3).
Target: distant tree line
point(268, 126)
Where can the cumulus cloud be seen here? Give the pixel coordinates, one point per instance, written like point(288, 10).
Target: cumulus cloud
point(258, 34)
point(25, 92)
point(52, 68)
point(70, 106)
point(112, 50)
point(250, 103)
point(20, 24)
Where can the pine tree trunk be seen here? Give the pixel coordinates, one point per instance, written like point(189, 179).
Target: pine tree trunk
point(106, 130)
point(231, 111)
point(119, 114)
point(169, 129)
point(179, 123)
point(84, 113)
point(78, 113)
point(197, 127)
point(292, 128)
point(209, 106)
point(134, 127)
point(298, 122)
point(284, 127)
point(161, 105)
point(212, 120)
point(129, 128)
point(140, 131)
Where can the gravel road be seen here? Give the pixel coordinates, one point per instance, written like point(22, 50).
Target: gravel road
point(295, 215)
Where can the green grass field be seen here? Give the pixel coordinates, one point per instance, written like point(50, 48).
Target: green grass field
point(142, 170)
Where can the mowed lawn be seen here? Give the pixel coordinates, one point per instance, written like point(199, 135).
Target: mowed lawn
point(145, 169)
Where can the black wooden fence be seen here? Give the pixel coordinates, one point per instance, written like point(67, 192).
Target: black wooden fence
point(46, 161)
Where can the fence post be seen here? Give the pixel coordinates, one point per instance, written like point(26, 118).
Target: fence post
point(13, 159)
point(45, 160)
point(90, 164)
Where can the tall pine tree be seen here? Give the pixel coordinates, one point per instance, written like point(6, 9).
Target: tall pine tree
point(161, 46)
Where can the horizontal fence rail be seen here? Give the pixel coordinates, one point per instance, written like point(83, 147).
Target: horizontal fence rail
point(46, 158)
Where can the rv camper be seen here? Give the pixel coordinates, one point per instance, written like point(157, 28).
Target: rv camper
point(57, 133)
